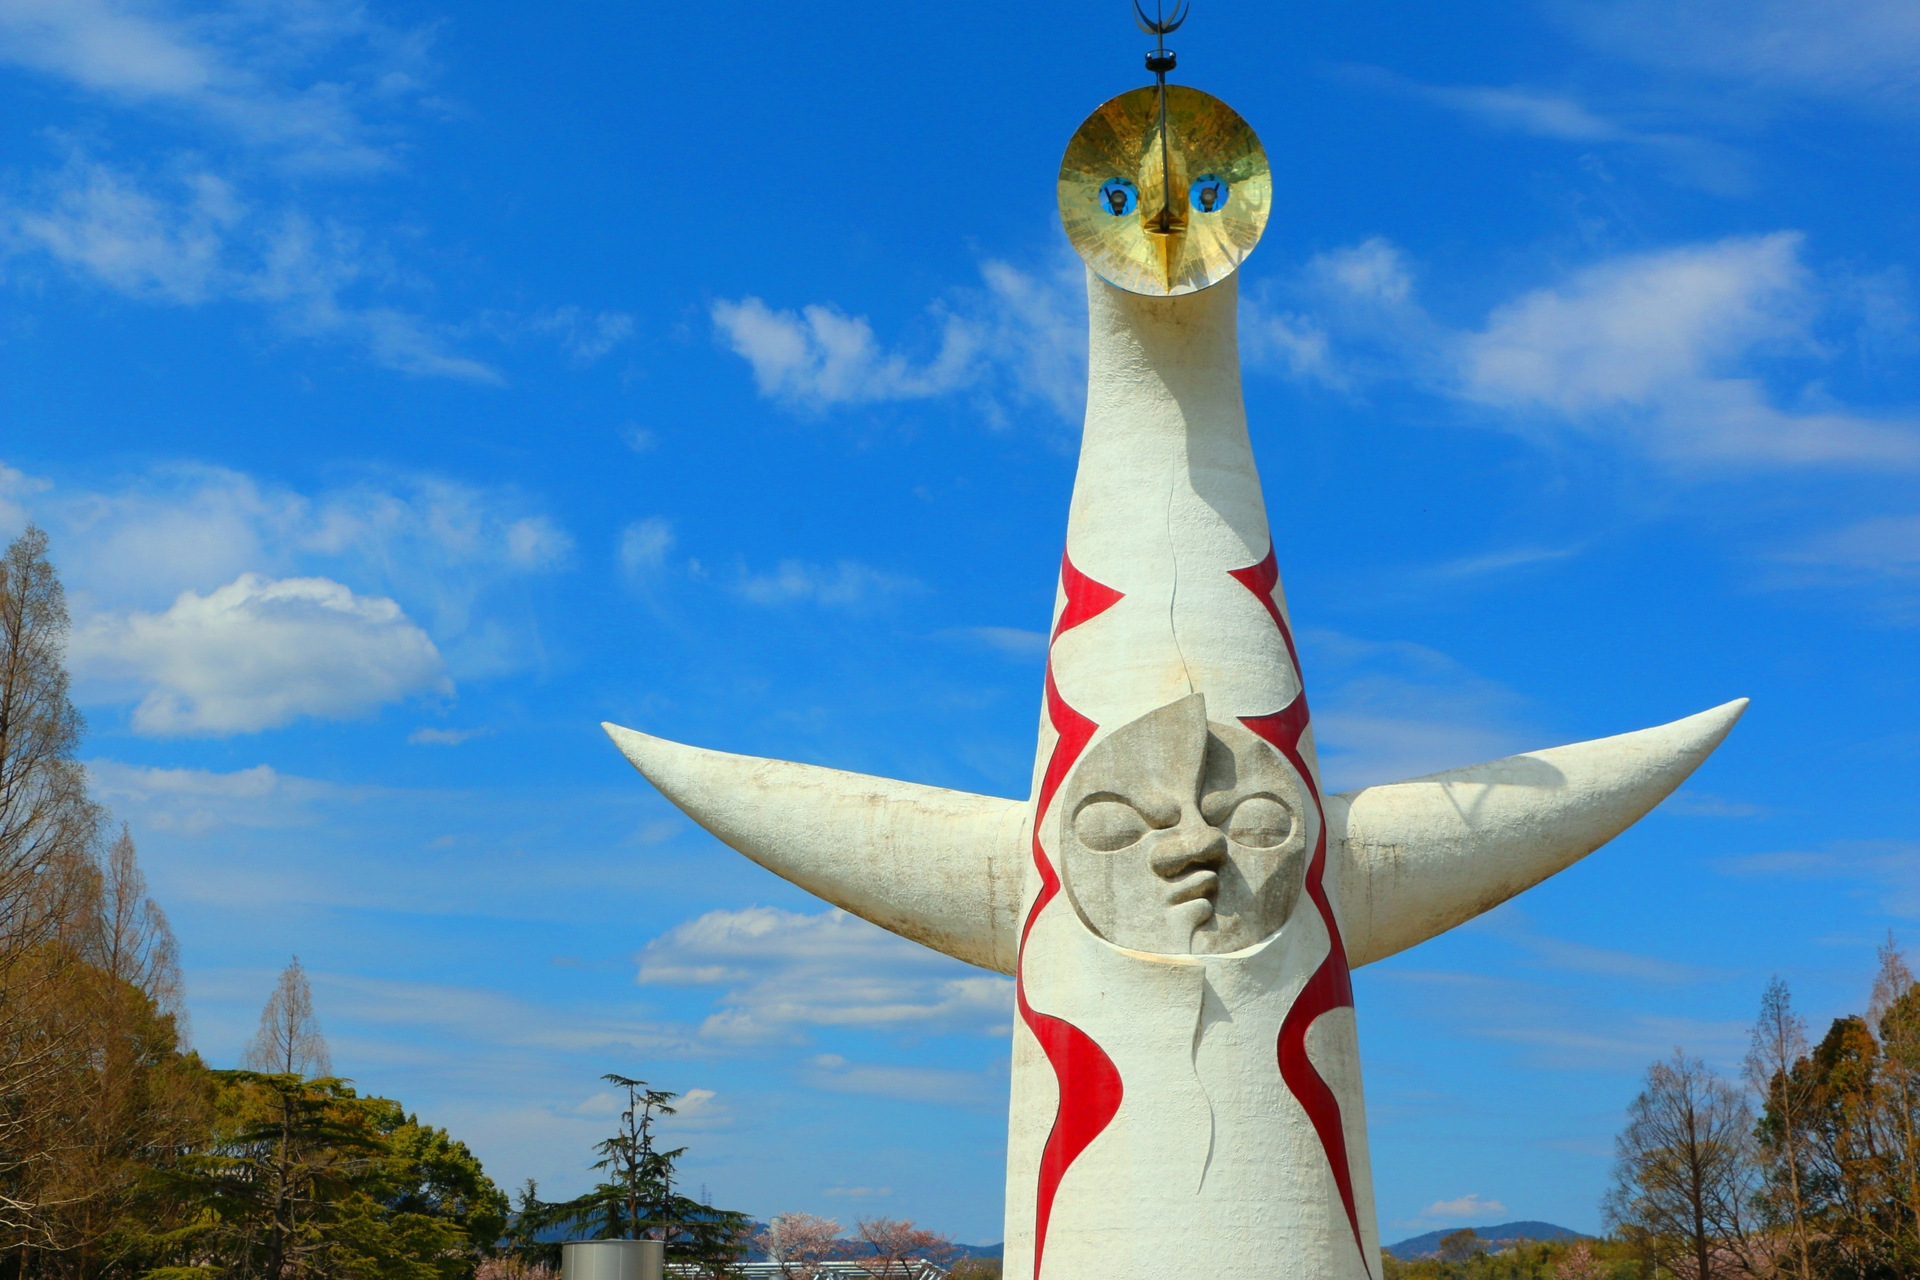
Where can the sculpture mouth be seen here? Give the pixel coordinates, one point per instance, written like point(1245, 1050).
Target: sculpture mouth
point(1200, 887)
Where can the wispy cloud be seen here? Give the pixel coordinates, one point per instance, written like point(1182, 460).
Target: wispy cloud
point(1892, 867)
point(1553, 1032)
point(246, 113)
point(857, 1193)
point(1656, 352)
point(308, 82)
point(1389, 710)
point(644, 545)
point(848, 584)
point(426, 736)
point(1011, 642)
point(1562, 117)
point(1019, 338)
point(1878, 557)
point(165, 562)
point(1515, 926)
point(195, 801)
point(785, 973)
point(1862, 51)
point(187, 237)
point(1494, 562)
point(1472, 1205)
point(820, 356)
point(977, 1089)
point(1689, 803)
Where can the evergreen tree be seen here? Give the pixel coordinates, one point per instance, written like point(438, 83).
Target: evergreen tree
point(636, 1200)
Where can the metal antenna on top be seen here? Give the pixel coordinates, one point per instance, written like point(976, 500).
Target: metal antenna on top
point(1161, 60)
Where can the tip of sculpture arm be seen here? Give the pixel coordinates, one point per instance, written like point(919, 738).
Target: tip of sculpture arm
point(940, 867)
point(1422, 856)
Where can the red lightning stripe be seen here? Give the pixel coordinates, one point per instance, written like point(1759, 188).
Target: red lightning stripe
point(1330, 987)
point(1089, 1083)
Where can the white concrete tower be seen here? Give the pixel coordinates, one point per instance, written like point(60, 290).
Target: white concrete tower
point(1178, 901)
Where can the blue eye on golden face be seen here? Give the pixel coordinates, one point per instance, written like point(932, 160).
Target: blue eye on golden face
point(1119, 197)
point(1208, 194)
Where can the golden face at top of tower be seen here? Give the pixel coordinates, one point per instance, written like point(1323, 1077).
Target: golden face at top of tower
point(1164, 211)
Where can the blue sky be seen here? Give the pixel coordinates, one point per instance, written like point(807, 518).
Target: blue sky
point(408, 388)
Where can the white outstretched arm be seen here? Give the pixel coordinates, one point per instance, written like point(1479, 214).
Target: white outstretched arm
point(940, 867)
point(1420, 857)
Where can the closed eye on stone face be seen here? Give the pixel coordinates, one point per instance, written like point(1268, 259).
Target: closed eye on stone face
point(1107, 824)
point(1259, 822)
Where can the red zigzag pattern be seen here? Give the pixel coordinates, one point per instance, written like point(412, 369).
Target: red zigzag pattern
point(1330, 987)
point(1089, 1083)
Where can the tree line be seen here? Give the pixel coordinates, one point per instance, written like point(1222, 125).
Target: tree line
point(125, 1156)
point(122, 1153)
point(1806, 1167)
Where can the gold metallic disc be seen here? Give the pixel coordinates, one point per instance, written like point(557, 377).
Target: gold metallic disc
point(1144, 233)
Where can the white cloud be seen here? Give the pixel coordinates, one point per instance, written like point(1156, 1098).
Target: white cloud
point(978, 1089)
point(1893, 866)
point(1880, 546)
point(1022, 337)
point(490, 1019)
point(1012, 642)
point(257, 73)
point(1643, 344)
point(192, 802)
point(1468, 1206)
point(1492, 562)
point(644, 545)
point(450, 553)
point(1655, 351)
point(586, 337)
point(847, 584)
point(1562, 118)
point(97, 222)
point(1556, 1032)
point(1384, 711)
point(1516, 926)
point(260, 653)
point(785, 972)
point(1289, 338)
point(1864, 50)
point(1877, 558)
point(1689, 803)
point(821, 356)
point(188, 239)
point(431, 737)
point(1036, 329)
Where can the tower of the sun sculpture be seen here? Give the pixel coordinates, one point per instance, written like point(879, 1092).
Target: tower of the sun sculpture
point(1178, 901)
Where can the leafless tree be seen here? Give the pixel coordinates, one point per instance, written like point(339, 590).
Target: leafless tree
point(1686, 1173)
point(134, 942)
point(1780, 1041)
point(48, 831)
point(1894, 1016)
point(289, 1041)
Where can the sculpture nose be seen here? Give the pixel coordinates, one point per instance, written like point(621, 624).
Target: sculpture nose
point(1193, 845)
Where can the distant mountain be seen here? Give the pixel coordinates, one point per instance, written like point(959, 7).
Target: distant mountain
point(1493, 1239)
point(980, 1250)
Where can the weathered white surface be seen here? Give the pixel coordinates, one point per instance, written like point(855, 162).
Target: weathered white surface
point(940, 867)
point(1425, 855)
point(1188, 1104)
